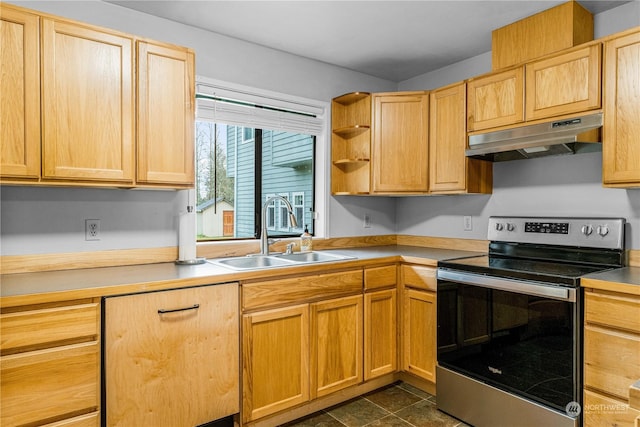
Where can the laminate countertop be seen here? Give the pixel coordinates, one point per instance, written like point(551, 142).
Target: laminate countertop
point(63, 285)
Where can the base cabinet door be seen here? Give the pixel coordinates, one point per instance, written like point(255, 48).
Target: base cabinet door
point(419, 333)
point(380, 333)
point(172, 358)
point(275, 360)
point(336, 344)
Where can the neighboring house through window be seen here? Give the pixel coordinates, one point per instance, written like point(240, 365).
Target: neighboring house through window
point(247, 153)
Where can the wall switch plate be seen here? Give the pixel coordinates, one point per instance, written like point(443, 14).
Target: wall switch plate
point(91, 229)
point(468, 225)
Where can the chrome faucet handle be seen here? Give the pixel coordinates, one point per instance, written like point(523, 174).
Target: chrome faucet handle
point(289, 249)
point(271, 241)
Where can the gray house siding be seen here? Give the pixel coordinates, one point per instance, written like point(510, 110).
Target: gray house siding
point(287, 167)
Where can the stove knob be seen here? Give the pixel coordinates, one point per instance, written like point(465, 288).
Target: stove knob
point(603, 230)
point(587, 230)
point(499, 226)
point(510, 227)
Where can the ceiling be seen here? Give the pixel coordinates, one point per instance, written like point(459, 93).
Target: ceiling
point(393, 40)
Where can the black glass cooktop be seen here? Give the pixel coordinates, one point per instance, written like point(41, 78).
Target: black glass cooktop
point(560, 273)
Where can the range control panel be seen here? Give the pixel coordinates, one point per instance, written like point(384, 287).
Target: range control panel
point(589, 232)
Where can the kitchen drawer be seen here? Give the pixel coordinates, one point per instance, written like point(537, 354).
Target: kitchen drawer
point(615, 310)
point(420, 277)
point(87, 420)
point(48, 327)
point(603, 411)
point(611, 360)
point(295, 290)
point(49, 384)
point(380, 277)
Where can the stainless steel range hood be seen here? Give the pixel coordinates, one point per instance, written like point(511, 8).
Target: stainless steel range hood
point(531, 141)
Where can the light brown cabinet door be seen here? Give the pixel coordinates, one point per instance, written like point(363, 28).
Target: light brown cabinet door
point(565, 84)
point(275, 360)
point(495, 100)
point(172, 357)
point(336, 344)
point(447, 139)
point(419, 334)
point(621, 132)
point(166, 86)
point(87, 103)
point(400, 152)
point(20, 89)
point(380, 333)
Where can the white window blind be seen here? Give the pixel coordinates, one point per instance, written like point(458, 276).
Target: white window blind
point(224, 104)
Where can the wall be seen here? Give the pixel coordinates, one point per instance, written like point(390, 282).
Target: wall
point(552, 186)
point(51, 220)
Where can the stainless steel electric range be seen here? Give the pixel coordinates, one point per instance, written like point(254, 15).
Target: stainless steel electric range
point(510, 323)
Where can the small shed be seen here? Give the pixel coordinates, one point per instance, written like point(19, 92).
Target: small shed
point(215, 218)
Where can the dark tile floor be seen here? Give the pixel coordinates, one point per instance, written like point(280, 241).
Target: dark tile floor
point(400, 405)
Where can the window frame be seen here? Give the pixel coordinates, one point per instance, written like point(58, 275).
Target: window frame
point(321, 166)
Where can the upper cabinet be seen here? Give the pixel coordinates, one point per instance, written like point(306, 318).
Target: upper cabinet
point(449, 170)
point(496, 99)
point(166, 85)
point(564, 84)
point(351, 143)
point(71, 118)
point(399, 145)
point(87, 103)
point(621, 144)
point(20, 88)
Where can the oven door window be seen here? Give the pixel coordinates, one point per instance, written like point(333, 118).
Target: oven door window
point(519, 343)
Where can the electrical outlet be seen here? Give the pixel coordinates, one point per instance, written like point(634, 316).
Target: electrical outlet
point(91, 229)
point(366, 223)
point(468, 226)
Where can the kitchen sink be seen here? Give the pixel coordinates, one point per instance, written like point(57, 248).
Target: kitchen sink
point(257, 262)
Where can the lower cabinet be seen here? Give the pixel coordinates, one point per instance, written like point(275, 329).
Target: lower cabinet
point(611, 357)
point(336, 344)
point(275, 360)
point(50, 364)
point(171, 358)
point(419, 321)
point(381, 331)
point(297, 353)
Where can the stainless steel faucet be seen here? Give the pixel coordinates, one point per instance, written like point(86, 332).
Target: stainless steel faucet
point(264, 238)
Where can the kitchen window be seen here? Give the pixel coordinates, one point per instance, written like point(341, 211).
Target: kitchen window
point(249, 148)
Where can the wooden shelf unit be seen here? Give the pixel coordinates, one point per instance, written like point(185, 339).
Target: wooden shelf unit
point(351, 143)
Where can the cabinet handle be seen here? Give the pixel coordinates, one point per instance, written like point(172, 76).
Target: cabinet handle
point(173, 310)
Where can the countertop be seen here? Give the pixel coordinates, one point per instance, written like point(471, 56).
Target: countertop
point(625, 279)
point(61, 285)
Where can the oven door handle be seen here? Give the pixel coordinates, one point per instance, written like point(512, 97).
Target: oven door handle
point(528, 288)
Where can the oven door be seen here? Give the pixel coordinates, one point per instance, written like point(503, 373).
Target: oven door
point(518, 336)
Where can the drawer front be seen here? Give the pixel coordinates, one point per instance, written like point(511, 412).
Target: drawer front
point(51, 383)
point(300, 289)
point(37, 329)
point(87, 420)
point(616, 310)
point(380, 277)
point(611, 360)
point(420, 277)
point(603, 411)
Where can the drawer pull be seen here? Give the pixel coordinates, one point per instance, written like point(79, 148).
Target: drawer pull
point(173, 310)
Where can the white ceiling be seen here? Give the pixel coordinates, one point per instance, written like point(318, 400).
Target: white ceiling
point(393, 40)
